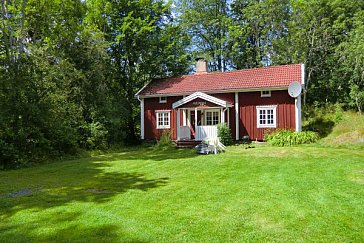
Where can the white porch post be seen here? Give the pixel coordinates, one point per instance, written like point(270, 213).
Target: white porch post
point(222, 115)
point(195, 123)
point(237, 118)
point(178, 124)
point(142, 118)
point(184, 117)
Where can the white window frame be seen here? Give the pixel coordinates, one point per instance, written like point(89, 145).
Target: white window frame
point(263, 94)
point(164, 125)
point(210, 110)
point(266, 108)
point(163, 99)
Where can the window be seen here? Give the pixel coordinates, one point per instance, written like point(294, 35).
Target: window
point(266, 116)
point(265, 93)
point(163, 119)
point(212, 118)
point(163, 99)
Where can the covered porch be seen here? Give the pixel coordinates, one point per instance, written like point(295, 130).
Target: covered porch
point(198, 116)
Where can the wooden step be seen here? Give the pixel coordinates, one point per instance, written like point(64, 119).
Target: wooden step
point(187, 143)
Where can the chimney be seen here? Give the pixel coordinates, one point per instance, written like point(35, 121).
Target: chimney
point(201, 66)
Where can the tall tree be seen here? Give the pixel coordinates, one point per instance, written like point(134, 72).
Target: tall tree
point(351, 56)
point(260, 31)
point(317, 29)
point(207, 23)
point(143, 46)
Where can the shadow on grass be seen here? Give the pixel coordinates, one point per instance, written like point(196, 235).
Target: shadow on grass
point(321, 126)
point(67, 187)
point(74, 232)
point(149, 153)
point(83, 182)
point(47, 187)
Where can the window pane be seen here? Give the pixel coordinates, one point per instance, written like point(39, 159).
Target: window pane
point(266, 117)
point(163, 119)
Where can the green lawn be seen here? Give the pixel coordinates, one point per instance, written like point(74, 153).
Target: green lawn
point(264, 194)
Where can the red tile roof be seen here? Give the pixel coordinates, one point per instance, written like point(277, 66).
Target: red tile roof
point(255, 78)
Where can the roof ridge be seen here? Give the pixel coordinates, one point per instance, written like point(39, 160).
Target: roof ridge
point(227, 72)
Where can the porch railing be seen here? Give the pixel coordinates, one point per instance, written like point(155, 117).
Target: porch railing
point(204, 132)
point(184, 132)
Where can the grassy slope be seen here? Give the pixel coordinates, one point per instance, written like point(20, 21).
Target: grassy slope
point(348, 131)
point(261, 194)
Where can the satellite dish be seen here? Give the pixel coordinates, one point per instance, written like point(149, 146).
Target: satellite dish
point(294, 89)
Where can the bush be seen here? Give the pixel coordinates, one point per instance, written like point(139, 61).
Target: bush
point(288, 138)
point(165, 140)
point(224, 134)
point(98, 133)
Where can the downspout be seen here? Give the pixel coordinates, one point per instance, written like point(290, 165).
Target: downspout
point(225, 117)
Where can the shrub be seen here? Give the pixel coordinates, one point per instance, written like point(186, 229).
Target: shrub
point(288, 138)
point(338, 113)
point(165, 140)
point(98, 135)
point(93, 136)
point(224, 134)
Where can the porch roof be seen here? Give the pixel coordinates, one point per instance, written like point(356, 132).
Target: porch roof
point(203, 96)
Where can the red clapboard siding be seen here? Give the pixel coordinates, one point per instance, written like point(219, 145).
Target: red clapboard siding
point(151, 105)
point(248, 115)
point(229, 97)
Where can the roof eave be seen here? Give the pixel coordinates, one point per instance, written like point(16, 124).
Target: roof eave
point(217, 91)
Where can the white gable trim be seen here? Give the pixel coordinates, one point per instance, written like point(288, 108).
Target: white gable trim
point(203, 96)
point(140, 90)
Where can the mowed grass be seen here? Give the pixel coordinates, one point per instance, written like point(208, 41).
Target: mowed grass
point(297, 194)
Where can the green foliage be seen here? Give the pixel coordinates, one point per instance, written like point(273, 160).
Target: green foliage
point(283, 138)
point(96, 136)
point(224, 134)
point(351, 58)
point(339, 113)
point(207, 23)
point(165, 140)
point(347, 132)
point(69, 69)
point(321, 119)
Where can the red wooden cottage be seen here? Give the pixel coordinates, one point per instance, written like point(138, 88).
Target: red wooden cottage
point(250, 101)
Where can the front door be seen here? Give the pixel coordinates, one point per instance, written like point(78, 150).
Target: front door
point(192, 122)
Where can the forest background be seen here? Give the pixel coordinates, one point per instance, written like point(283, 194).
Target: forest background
point(69, 69)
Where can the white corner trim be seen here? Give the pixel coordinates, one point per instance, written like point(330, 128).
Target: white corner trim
point(237, 118)
point(142, 118)
point(201, 95)
point(303, 74)
point(298, 114)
